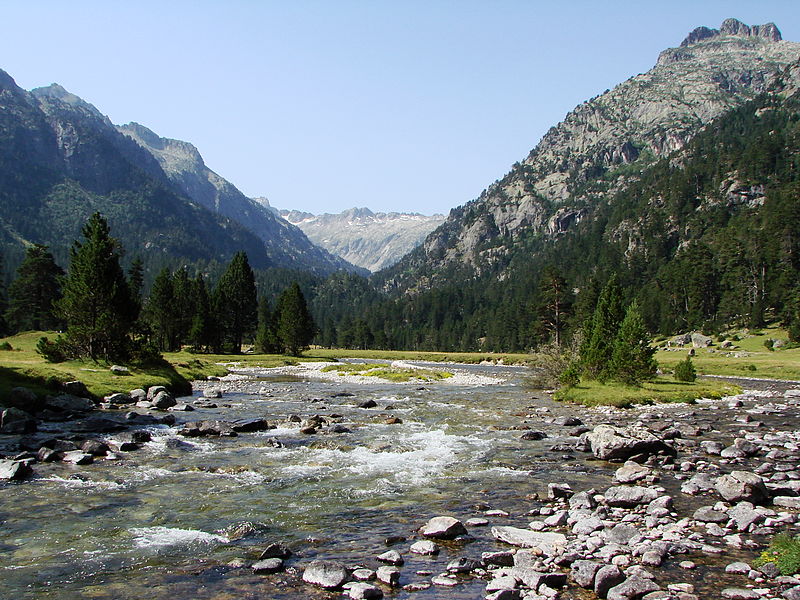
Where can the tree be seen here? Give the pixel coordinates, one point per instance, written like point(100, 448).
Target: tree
point(632, 356)
point(97, 304)
point(160, 310)
point(136, 282)
point(266, 336)
point(684, 370)
point(236, 302)
point(32, 294)
point(203, 332)
point(296, 328)
point(555, 303)
point(601, 331)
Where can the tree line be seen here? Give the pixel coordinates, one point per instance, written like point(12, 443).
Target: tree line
point(104, 315)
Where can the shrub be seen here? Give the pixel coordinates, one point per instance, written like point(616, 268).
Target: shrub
point(684, 370)
point(769, 344)
point(571, 376)
point(6, 346)
point(54, 352)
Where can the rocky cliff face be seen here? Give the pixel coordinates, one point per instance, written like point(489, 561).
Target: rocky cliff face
point(604, 140)
point(185, 168)
point(370, 240)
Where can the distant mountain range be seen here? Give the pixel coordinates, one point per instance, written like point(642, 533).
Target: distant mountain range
point(61, 159)
point(370, 240)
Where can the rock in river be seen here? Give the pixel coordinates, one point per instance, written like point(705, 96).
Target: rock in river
point(325, 573)
point(443, 528)
point(547, 543)
point(615, 443)
point(741, 485)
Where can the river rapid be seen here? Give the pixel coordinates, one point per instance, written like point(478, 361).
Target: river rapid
point(171, 519)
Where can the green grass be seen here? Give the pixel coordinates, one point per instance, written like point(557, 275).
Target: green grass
point(783, 363)
point(469, 358)
point(384, 371)
point(784, 551)
point(662, 389)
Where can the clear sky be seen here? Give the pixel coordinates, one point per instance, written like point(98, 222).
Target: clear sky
point(324, 105)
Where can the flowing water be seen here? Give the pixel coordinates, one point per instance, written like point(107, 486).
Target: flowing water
point(165, 521)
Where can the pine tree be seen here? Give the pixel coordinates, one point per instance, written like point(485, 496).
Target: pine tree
point(632, 357)
point(236, 302)
point(96, 303)
point(183, 292)
point(32, 294)
point(202, 333)
point(159, 310)
point(136, 282)
point(555, 303)
point(266, 336)
point(601, 331)
point(296, 328)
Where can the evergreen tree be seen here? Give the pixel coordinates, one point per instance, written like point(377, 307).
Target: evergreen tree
point(601, 331)
point(136, 282)
point(184, 297)
point(96, 304)
point(296, 328)
point(555, 303)
point(266, 336)
point(632, 356)
point(202, 333)
point(160, 310)
point(236, 302)
point(3, 304)
point(32, 294)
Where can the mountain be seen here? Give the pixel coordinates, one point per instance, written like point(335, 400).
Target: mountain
point(61, 160)
point(596, 150)
point(181, 162)
point(370, 240)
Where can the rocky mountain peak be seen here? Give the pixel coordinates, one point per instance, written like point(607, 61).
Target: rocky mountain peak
point(55, 91)
point(733, 27)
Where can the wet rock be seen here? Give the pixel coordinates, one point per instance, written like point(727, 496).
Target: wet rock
point(76, 388)
point(364, 574)
point(559, 490)
point(276, 551)
point(363, 591)
point(388, 575)
point(368, 404)
point(744, 514)
point(213, 393)
point(498, 559)
point(182, 407)
point(477, 522)
point(250, 425)
point(268, 565)
point(424, 547)
point(443, 528)
point(615, 443)
point(14, 470)
point(742, 485)
point(629, 496)
point(392, 557)
point(583, 572)
point(462, 565)
point(119, 398)
point(567, 421)
point(631, 472)
point(69, 403)
point(547, 543)
point(78, 457)
point(24, 399)
point(163, 400)
point(606, 578)
point(533, 436)
point(97, 425)
point(393, 421)
point(325, 573)
point(699, 483)
point(444, 581)
point(587, 525)
point(339, 428)
point(632, 588)
point(740, 568)
point(47, 455)
point(15, 421)
point(95, 447)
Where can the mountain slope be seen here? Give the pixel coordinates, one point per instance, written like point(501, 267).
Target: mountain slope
point(370, 240)
point(597, 147)
point(287, 245)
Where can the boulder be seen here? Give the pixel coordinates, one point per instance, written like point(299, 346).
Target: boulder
point(250, 425)
point(276, 550)
point(153, 391)
point(443, 528)
point(742, 485)
point(15, 420)
point(214, 392)
point(629, 496)
point(631, 472)
point(699, 483)
point(138, 395)
point(391, 557)
point(388, 575)
point(615, 443)
point(120, 370)
point(268, 565)
point(584, 571)
point(707, 514)
point(119, 398)
point(701, 341)
point(632, 588)
point(325, 573)
point(96, 425)
point(368, 404)
point(76, 388)
point(547, 543)
point(363, 591)
point(69, 403)
point(163, 400)
point(95, 447)
point(14, 470)
point(78, 457)
point(607, 577)
point(424, 547)
point(24, 399)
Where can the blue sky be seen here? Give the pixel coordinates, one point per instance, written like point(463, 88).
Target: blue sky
point(321, 106)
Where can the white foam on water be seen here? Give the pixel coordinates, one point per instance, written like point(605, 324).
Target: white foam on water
point(80, 483)
point(161, 537)
point(143, 474)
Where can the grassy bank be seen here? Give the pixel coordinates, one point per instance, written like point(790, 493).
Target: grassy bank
point(470, 358)
point(748, 357)
point(662, 389)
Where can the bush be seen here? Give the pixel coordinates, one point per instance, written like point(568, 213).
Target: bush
point(769, 344)
point(6, 346)
point(54, 352)
point(571, 376)
point(784, 551)
point(684, 370)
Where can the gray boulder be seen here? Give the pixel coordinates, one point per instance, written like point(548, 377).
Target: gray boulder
point(699, 483)
point(424, 547)
point(325, 573)
point(615, 443)
point(14, 470)
point(268, 565)
point(707, 514)
point(631, 472)
point(120, 370)
point(69, 403)
point(547, 543)
point(629, 496)
point(24, 399)
point(363, 591)
point(742, 485)
point(78, 457)
point(584, 571)
point(701, 341)
point(388, 575)
point(392, 557)
point(119, 398)
point(163, 400)
point(138, 395)
point(443, 528)
point(15, 420)
point(153, 391)
point(76, 388)
point(632, 588)
point(606, 578)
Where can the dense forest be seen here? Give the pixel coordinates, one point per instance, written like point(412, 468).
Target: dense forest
point(703, 239)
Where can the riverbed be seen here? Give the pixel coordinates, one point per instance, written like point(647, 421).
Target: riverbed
point(172, 519)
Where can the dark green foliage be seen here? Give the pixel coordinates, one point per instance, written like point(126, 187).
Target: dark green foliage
point(33, 292)
point(571, 376)
point(236, 303)
point(267, 334)
point(160, 312)
point(203, 332)
point(136, 282)
point(600, 332)
point(54, 352)
point(784, 551)
point(96, 304)
point(295, 326)
point(555, 303)
point(632, 359)
point(684, 370)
